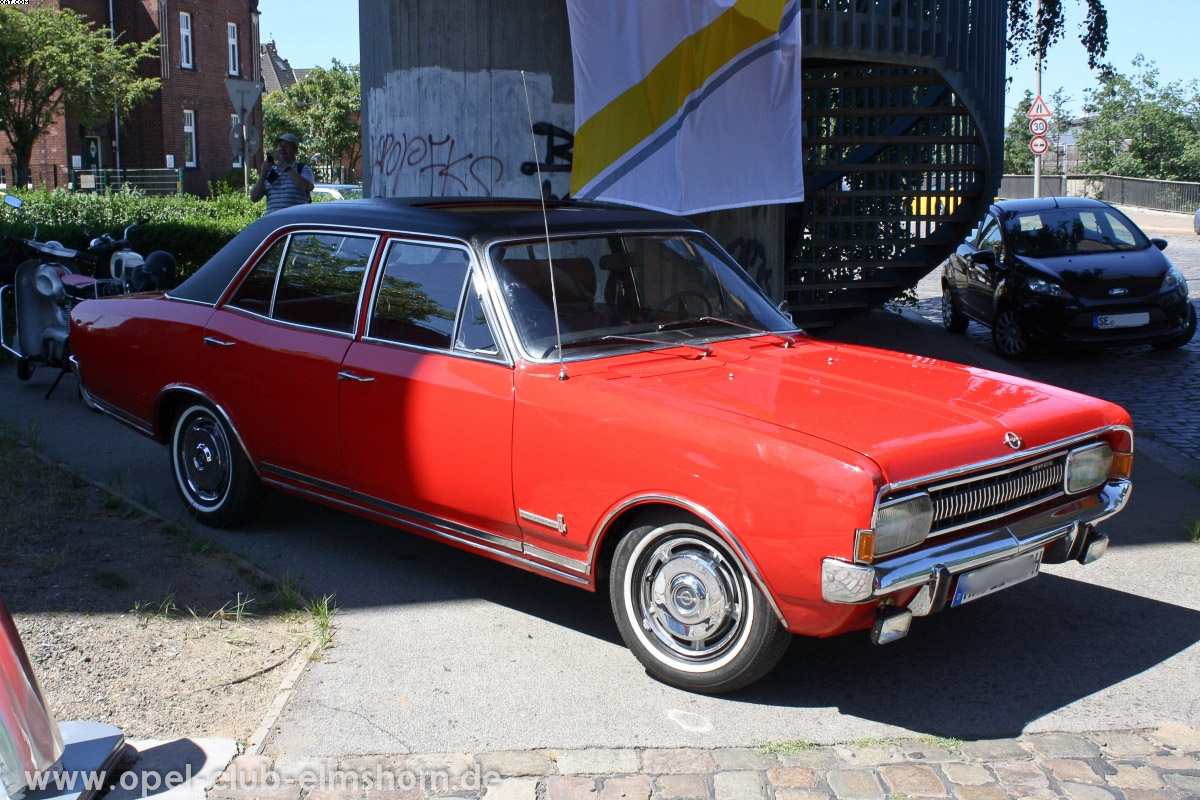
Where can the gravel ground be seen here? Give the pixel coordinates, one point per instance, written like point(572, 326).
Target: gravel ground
point(131, 621)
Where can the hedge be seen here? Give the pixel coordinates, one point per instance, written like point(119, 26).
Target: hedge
point(190, 228)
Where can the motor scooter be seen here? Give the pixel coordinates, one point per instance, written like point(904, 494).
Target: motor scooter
point(44, 288)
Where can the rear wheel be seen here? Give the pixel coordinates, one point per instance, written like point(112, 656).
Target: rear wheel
point(213, 475)
point(688, 610)
point(952, 317)
point(1008, 335)
point(1184, 337)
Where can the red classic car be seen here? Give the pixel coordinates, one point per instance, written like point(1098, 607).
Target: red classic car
point(601, 395)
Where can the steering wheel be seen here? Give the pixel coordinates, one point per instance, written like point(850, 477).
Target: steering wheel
point(680, 296)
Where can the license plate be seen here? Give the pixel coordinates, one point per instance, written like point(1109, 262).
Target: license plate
point(994, 577)
point(1102, 321)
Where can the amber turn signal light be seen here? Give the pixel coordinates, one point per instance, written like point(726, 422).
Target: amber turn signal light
point(864, 547)
point(1122, 465)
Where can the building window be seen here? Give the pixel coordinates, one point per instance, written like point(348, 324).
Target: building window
point(189, 138)
point(233, 126)
point(185, 40)
point(235, 64)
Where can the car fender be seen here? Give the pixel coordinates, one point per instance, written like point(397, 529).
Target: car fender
point(175, 395)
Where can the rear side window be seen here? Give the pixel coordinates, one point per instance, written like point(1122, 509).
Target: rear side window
point(311, 279)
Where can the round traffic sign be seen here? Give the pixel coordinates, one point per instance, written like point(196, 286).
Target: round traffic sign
point(1039, 145)
point(1038, 126)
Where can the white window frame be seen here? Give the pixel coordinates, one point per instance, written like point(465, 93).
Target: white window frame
point(189, 138)
point(235, 63)
point(233, 121)
point(186, 60)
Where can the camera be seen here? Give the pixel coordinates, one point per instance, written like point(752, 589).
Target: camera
point(273, 175)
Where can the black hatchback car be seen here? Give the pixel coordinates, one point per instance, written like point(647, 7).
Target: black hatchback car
point(1070, 270)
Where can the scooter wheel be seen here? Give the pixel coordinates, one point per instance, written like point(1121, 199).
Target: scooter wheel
point(24, 369)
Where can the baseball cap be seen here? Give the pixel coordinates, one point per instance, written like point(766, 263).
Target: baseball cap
point(288, 137)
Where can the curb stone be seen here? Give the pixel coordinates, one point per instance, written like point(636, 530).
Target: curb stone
point(1153, 764)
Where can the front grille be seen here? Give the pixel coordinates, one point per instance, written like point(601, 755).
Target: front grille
point(983, 497)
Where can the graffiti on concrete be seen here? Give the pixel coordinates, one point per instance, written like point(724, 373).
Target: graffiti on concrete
point(560, 147)
point(441, 171)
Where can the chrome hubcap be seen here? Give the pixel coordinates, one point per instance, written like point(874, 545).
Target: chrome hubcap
point(691, 599)
point(947, 308)
point(204, 457)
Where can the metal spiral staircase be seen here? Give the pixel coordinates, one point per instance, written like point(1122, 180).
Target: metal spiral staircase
point(904, 126)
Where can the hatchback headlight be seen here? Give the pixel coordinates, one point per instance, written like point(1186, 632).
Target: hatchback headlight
point(1088, 467)
point(902, 523)
point(1039, 286)
point(1174, 280)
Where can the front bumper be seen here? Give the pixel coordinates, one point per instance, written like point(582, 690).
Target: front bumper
point(1066, 527)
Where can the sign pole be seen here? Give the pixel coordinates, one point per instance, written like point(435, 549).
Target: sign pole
point(1037, 159)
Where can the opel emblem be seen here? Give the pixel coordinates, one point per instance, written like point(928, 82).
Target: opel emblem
point(1118, 292)
point(1013, 441)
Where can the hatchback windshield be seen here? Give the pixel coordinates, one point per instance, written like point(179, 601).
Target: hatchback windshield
point(1071, 231)
point(622, 291)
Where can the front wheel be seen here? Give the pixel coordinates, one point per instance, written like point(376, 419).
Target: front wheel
point(213, 476)
point(1008, 335)
point(688, 610)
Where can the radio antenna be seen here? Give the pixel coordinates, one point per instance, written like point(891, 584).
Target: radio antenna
point(562, 369)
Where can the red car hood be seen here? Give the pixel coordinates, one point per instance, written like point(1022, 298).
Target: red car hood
point(913, 416)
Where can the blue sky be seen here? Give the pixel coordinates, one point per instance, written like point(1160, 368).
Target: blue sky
point(311, 33)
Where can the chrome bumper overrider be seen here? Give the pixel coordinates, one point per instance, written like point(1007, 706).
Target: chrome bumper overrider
point(1067, 526)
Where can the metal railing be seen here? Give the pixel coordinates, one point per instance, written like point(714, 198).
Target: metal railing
point(49, 176)
point(150, 181)
point(1179, 196)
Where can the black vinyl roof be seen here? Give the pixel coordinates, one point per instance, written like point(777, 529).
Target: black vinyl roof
point(473, 219)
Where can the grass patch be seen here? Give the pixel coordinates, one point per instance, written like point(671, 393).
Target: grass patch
point(234, 612)
point(785, 747)
point(110, 580)
point(321, 612)
point(288, 596)
point(1193, 530)
point(948, 743)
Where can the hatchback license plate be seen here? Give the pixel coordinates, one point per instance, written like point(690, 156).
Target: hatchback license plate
point(1103, 321)
point(994, 577)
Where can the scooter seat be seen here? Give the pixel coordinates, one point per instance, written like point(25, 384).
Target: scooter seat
point(78, 281)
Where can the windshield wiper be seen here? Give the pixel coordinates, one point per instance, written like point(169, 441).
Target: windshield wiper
point(589, 341)
point(685, 323)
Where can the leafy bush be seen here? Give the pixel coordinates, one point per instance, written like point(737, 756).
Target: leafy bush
point(190, 228)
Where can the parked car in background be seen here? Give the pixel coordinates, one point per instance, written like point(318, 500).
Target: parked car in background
point(1196, 222)
point(602, 396)
point(337, 191)
point(1066, 270)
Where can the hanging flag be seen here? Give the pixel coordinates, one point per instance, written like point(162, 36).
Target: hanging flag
point(687, 105)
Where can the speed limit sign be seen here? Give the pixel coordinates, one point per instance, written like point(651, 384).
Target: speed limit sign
point(1038, 126)
point(1039, 145)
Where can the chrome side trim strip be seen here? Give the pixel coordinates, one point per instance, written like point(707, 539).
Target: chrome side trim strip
point(438, 524)
point(554, 558)
point(126, 419)
point(505, 555)
point(704, 514)
point(919, 567)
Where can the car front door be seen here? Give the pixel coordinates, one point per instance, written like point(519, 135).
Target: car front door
point(426, 400)
point(275, 347)
point(983, 269)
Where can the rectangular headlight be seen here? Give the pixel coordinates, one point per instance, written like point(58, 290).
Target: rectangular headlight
point(902, 523)
point(1088, 467)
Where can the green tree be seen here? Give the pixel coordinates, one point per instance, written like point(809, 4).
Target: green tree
point(1140, 127)
point(1027, 30)
point(323, 110)
point(52, 61)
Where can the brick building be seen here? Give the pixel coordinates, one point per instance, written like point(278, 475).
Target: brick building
point(187, 122)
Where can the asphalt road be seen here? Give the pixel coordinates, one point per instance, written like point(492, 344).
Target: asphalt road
point(442, 651)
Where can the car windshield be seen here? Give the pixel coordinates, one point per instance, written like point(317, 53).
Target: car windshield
point(1071, 231)
point(621, 291)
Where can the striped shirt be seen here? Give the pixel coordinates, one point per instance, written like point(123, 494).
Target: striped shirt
point(284, 192)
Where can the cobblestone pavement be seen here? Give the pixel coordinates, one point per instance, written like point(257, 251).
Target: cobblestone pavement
point(1159, 388)
point(1159, 764)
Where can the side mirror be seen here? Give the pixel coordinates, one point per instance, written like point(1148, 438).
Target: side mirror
point(783, 309)
point(1161, 244)
point(12, 200)
point(984, 257)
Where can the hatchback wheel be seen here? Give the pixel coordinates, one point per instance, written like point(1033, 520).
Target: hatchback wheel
point(1008, 336)
point(688, 610)
point(1184, 337)
point(952, 317)
point(215, 479)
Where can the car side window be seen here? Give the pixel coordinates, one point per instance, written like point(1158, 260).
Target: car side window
point(417, 299)
point(991, 239)
point(474, 333)
point(321, 280)
point(257, 289)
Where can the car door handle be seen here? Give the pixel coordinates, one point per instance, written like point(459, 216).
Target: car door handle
point(215, 342)
point(347, 375)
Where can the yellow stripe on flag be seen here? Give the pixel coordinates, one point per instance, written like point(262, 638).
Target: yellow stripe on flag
point(642, 109)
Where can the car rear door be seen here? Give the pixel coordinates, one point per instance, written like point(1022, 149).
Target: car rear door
point(426, 399)
point(275, 347)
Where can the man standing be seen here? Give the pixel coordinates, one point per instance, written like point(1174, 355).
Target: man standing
point(284, 180)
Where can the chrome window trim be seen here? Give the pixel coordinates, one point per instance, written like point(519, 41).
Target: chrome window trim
point(358, 303)
point(717, 525)
point(509, 326)
point(473, 267)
